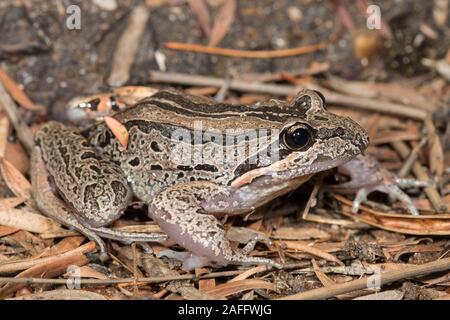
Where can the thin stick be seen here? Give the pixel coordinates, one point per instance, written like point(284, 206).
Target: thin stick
point(255, 54)
point(421, 174)
point(409, 162)
point(364, 283)
point(142, 280)
point(286, 90)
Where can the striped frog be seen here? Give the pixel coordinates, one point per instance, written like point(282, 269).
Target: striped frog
point(193, 161)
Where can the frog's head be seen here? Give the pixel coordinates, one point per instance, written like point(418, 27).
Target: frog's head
point(310, 140)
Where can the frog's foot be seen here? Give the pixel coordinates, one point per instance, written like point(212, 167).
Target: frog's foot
point(178, 211)
point(190, 261)
point(367, 175)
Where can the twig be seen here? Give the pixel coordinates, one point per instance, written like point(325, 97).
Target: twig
point(364, 283)
point(143, 280)
point(409, 162)
point(421, 174)
point(235, 53)
point(12, 111)
point(286, 90)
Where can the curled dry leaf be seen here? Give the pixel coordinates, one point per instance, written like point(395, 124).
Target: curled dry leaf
point(408, 224)
point(119, 130)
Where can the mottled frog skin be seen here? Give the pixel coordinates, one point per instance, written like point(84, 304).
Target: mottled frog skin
point(97, 177)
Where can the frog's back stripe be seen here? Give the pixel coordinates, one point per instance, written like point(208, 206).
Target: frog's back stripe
point(203, 107)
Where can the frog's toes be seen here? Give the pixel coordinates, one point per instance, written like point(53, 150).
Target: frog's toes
point(392, 190)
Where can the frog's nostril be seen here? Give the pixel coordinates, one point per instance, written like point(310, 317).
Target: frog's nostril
point(362, 141)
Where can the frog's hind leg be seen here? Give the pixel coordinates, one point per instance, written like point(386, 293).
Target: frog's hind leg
point(179, 212)
point(52, 206)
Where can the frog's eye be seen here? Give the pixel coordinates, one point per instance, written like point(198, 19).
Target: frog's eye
point(297, 137)
point(324, 102)
point(303, 102)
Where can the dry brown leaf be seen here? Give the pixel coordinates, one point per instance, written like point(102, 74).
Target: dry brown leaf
point(15, 181)
point(4, 133)
point(28, 241)
point(88, 272)
point(201, 11)
point(17, 93)
point(16, 154)
point(248, 273)
point(436, 155)
point(408, 224)
point(23, 264)
point(26, 220)
point(9, 203)
point(300, 233)
point(62, 294)
point(50, 267)
point(222, 22)
point(127, 46)
point(65, 245)
point(206, 284)
point(385, 295)
point(230, 288)
point(4, 231)
point(324, 279)
point(119, 130)
point(303, 247)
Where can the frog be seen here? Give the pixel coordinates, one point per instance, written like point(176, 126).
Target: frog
point(193, 161)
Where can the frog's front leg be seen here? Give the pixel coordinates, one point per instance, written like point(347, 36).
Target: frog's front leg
point(179, 212)
point(367, 175)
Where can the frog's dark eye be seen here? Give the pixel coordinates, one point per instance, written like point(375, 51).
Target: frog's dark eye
point(298, 137)
point(322, 97)
point(303, 102)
